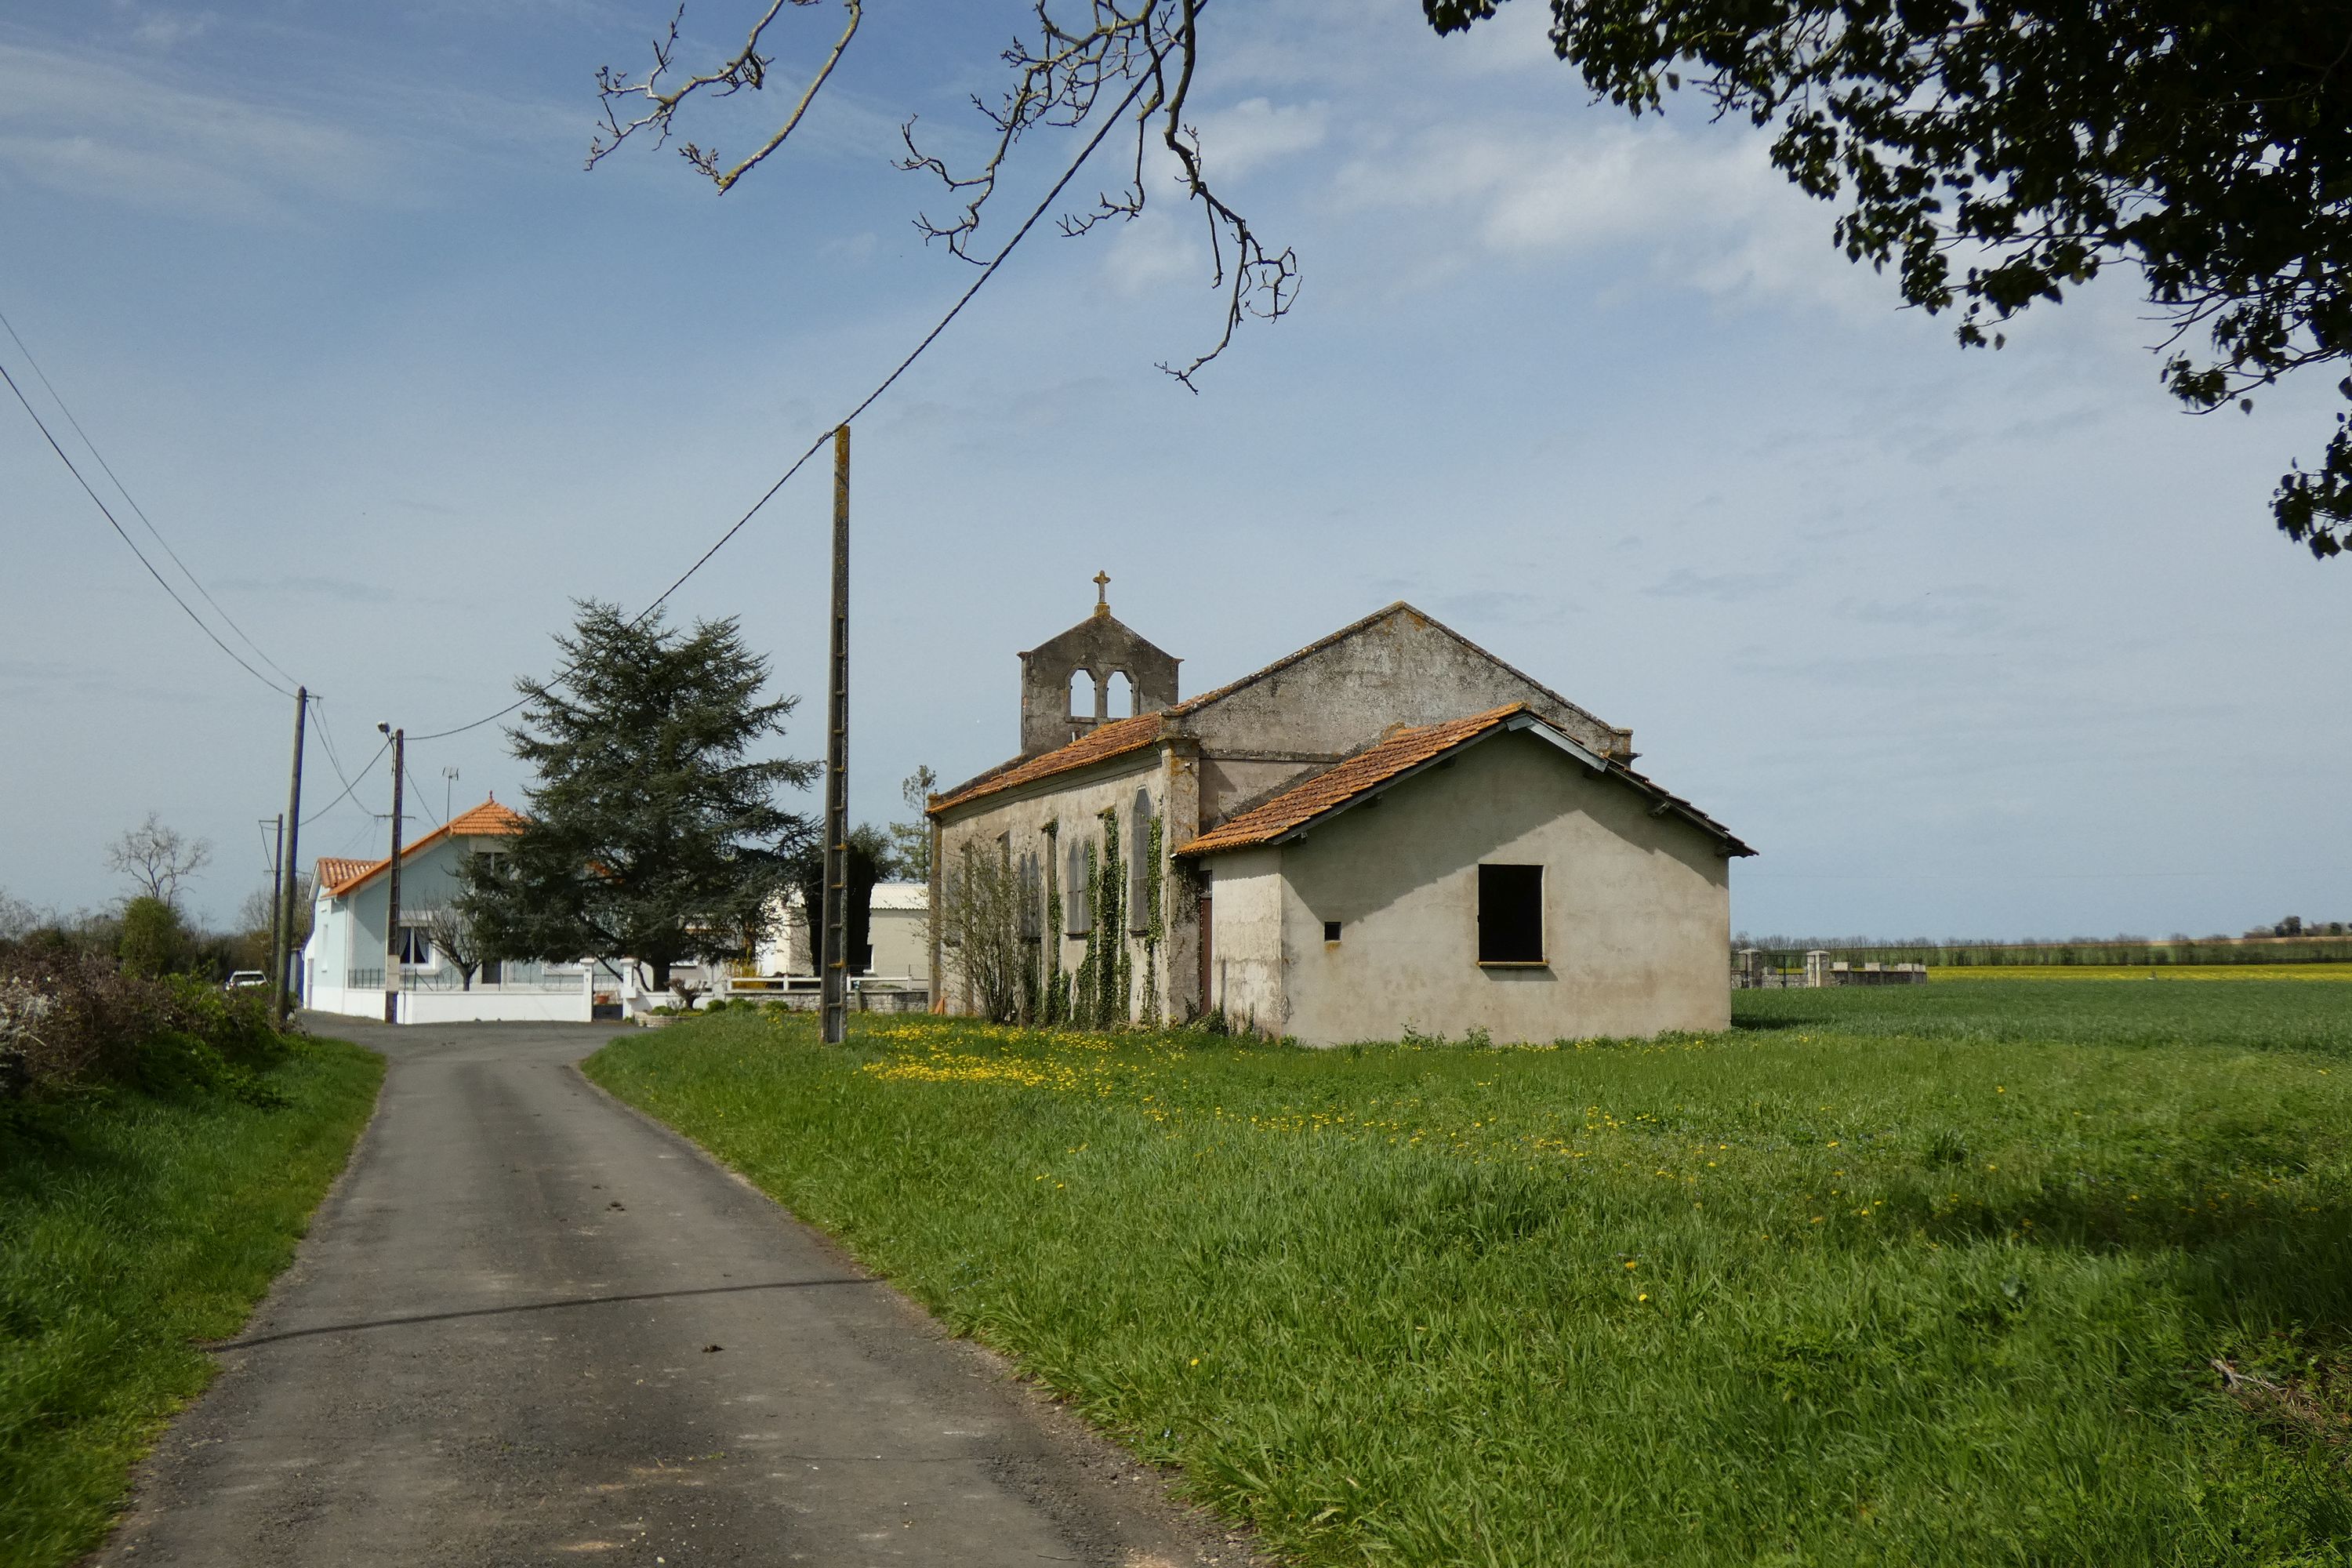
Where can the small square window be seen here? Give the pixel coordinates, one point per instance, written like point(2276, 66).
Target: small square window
point(1510, 914)
point(1330, 930)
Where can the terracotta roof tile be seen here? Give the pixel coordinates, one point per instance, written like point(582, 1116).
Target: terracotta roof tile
point(486, 819)
point(1399, 754)
point(335, 868)
point(1336, 786)
point(1115, 739)
point(490, 819)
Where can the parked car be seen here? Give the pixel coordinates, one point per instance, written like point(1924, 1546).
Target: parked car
point(247, 980)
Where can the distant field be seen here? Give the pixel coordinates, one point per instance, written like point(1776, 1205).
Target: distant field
point(1938, 1275)
point(2147, 971)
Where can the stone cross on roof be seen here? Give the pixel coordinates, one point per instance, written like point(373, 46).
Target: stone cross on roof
point(1102, 593)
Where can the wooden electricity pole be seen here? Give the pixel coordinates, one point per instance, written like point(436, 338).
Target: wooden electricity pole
point(391, 901)
point(271, 966)
point(834, 960)
point(282, 954)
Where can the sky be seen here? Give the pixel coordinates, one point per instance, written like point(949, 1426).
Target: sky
point(1966, 643)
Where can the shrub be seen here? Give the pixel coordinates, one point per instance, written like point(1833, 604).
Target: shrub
point(153, 941)
point(69, 1019)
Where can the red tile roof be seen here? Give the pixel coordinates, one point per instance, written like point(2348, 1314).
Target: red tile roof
point(1337, 788)
point(487, 820)
point(1115, 739)
point(334, 868)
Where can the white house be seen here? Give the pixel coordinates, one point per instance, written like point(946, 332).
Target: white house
point(344, 961)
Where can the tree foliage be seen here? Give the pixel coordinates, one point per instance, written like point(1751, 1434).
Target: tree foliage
point(154, 942)
point(867, 859)
point(910, 840)
point(653, 833)
point(1998, 153)
point(1991, 153)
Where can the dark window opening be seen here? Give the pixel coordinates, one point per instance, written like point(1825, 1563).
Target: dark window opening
point(1330, 930)
point(1510, 914)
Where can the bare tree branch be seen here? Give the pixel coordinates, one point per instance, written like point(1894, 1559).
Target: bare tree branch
point(747, 68)
point(158, 859)
point(1059, 77)
point(1059, 81)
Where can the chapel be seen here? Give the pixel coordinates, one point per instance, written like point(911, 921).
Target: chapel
point(1391, 828)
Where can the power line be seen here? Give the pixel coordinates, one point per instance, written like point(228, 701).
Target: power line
point(109, 515)
point(986, 272)
point(139, 511)
point(423, 804)
point(349, 785)
point(327, 739)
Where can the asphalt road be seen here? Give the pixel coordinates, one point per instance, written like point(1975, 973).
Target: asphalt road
point(531, 1326)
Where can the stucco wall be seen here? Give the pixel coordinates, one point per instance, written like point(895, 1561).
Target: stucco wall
point(901, 943)
point(1248, 936)
point(352, 927)
point(1074, 801)
point(1401, 670)
point(1636, 918)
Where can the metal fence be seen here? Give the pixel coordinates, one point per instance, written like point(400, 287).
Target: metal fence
point(513, 979)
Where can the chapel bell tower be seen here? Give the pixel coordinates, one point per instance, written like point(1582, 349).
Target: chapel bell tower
point(1067, 681)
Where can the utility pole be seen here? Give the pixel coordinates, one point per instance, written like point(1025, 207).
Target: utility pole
point(277, 894)
point(392, 891)
point(448, 790)
point(833, 963)
point(282, 945)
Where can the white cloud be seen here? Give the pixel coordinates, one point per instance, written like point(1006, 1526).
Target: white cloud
point(163, 29)
point(1155, 251)
point(93, 126)
point(1710, 211)
point(1258, 130)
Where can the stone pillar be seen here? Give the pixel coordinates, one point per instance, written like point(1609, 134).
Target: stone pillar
point(1180, 912)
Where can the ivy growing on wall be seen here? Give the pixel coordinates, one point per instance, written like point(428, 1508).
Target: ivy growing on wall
point(1085, 985)
point(1155, 927)
point(1053, 1002)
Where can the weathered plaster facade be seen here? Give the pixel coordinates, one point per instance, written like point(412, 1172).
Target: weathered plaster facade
point(1196, 763)
point(1636, 911)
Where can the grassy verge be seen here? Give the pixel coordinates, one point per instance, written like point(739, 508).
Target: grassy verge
point(1938, 1276)
point(132, 1224)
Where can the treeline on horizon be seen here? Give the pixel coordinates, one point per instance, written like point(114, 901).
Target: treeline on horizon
point(2331, 943)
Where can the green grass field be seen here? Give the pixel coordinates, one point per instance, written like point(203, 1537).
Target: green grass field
point(2160, 971)
point(131, 1227)
point(1932, 1276)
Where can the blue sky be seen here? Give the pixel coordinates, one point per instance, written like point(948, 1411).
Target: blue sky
point(1981, 644)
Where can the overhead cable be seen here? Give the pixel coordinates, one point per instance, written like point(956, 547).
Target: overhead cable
point(986, 272)
point(349, 785)
point(139, 511)
point(109, 515)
